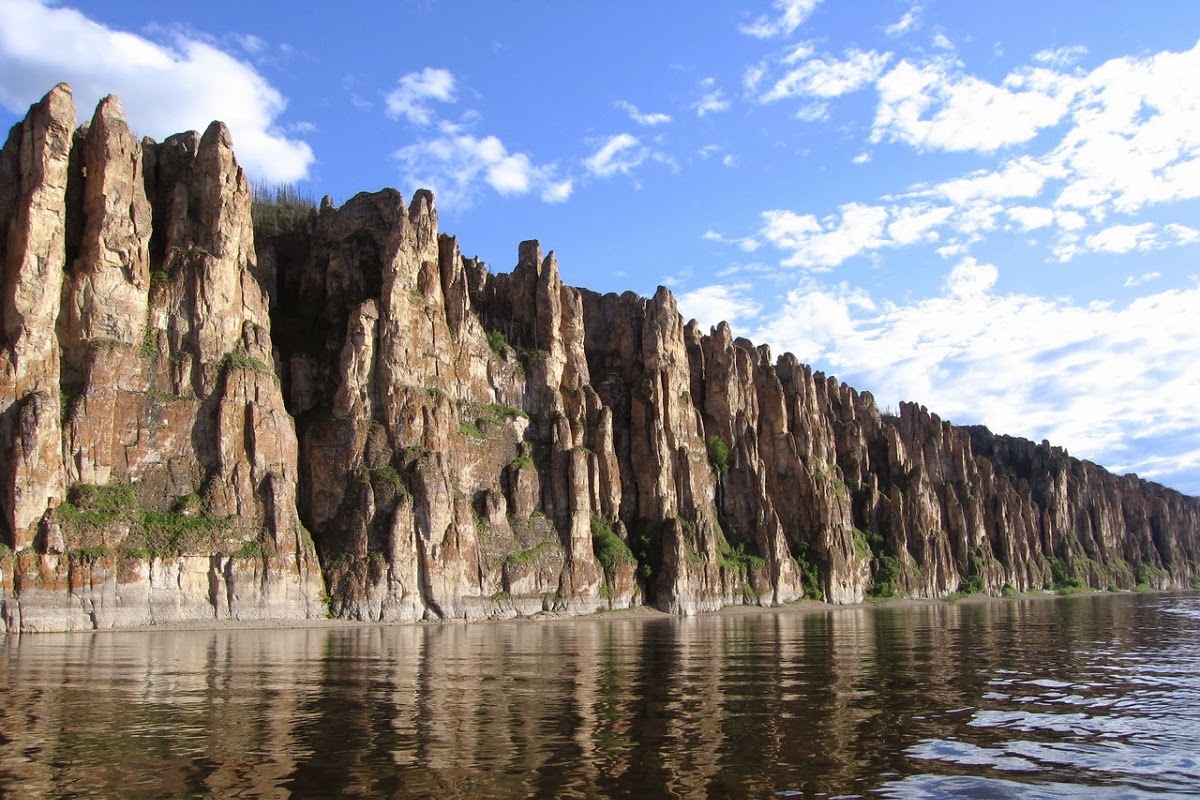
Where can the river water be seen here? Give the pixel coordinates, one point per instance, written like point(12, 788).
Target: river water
point(1093, 696)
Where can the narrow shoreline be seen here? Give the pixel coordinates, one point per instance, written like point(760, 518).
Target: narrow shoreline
point(799, 607)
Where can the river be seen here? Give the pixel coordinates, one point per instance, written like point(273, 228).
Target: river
point(1092, 696)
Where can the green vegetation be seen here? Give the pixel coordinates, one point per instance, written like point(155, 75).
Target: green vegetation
point(861, 545)
point(521, 462)
point(471, 430)
point(251, 549)
point(189, 253)
point(388, 476)
point(737, 559)
point(149, 340)
point(5, 550)
point(610, 550)
point(886, 577)
point(522, 557)
point(240, 359)
point(718, 454)
point(1008, 591)
point(499, 344)
point(1149, 576)
point(810, 573)
point(1063, 578)
point(151, 533)
point(281, 209)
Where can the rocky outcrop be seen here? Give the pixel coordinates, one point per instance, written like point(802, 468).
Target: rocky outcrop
point(150, 464)
point(186, 376)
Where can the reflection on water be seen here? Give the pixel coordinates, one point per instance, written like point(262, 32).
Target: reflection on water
point(1093, 696)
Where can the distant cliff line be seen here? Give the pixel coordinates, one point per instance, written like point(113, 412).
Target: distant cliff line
point(338, 413)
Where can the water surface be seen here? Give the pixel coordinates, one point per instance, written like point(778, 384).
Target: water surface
point(1092, 697)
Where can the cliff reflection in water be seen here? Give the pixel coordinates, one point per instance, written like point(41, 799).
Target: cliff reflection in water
point(924, 701)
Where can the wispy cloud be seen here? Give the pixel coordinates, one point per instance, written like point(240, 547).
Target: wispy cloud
point(747, 244)
point(621, 153)
point(829, 77)
point(790, 15)
point(640, 118)
point(712, 101)
point(906, 23)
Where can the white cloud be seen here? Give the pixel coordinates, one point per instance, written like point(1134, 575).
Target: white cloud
point(748, 244)
point(970, 279)
point(1031, 218)
point(1120, 239)
point(410, 99)
point(710, 305)
point(829, 77)
point(1140, 279)
point(712, 101)
point(41, 45)
point(1023, 365)
point(729, 160)
point(862, 158)
point(1136, 138)
point(1123, 238)
point(1022, 177)
point(453, 165)
point(1061, 57)
point(824, 244)
point(906, 23)
point(913, 224)
point(937, 106)
point(813, 112)
point(792, 14)
point(640, 118)
point(621, 153)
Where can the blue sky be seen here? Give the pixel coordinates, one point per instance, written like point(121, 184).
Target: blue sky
point(989, 208)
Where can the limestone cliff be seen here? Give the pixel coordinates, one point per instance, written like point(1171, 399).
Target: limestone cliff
point(184, 395)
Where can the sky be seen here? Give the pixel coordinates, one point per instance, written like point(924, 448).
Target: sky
point(992, 209)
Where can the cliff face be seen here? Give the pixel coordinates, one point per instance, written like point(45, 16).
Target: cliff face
point(180, 389)
point(149, 465)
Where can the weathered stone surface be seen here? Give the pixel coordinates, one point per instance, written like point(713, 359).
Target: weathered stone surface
point(146, 439)
point(461, 444)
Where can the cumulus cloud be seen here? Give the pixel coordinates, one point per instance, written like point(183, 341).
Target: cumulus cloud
point(936, 105)
point(1114, 383)
point(640, 118)
point(1136, 134)
point(41, 45)
point(452, 167)
point(710, 305)
point(410, 99)
point(790, 15)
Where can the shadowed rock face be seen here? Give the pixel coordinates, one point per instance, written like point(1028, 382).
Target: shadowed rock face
point(178, 391)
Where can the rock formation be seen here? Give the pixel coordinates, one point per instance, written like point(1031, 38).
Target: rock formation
point(187, 390)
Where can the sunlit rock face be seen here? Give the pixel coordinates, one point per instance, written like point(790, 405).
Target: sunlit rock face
point(216, 410)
